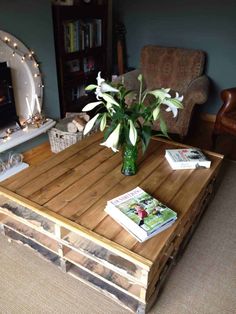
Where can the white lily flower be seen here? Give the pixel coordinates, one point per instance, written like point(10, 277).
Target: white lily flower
point(177, 97)
point(99, 79)
point(161, 93)
point(110, 108)
point(133, 135)
point(91, 105)
point(170, 107)
point(103, 87)
point(107, 88)
point(174, 104)
point(90, 124)
point(113, 139)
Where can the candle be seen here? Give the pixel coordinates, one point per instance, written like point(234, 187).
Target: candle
point(38, 104)
point(28, 106)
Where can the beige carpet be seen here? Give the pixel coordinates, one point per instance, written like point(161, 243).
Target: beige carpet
point(203, 282)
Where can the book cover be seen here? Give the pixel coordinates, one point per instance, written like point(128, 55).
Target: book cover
point(187, 158)
point(139, 212)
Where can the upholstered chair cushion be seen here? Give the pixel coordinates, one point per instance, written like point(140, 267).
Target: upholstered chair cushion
point(171, 67)
point(179, 69)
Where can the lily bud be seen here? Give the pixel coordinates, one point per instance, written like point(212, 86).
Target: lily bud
point(103, 122)
point(155, 113)
point(90, 124)
point(133, 135)
point(91, 105)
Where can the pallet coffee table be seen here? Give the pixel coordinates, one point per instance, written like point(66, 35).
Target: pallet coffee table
point(57, 207)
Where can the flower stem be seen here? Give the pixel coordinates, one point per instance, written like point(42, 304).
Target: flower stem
point(140, 90)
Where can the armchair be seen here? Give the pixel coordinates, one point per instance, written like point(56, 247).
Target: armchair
point(181, 70)
point(226, 117)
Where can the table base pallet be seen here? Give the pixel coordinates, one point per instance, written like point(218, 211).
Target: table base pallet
point(57, 208)
point(128, 284)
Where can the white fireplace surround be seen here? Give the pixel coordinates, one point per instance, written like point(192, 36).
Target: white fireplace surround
point(25, 73)
point(21, 136)
point(27, 88)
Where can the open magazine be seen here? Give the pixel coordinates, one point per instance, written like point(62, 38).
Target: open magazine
point(140, 214)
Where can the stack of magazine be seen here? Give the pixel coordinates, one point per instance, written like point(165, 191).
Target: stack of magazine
point(140, 214)
point(187, 158)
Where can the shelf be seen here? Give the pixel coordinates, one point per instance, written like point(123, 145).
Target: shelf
point(21, 136)
point(83, 53)
point(81, 35)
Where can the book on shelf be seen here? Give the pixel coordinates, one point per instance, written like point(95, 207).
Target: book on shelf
point(81, 34)
point(142, 215)
point(187, 158)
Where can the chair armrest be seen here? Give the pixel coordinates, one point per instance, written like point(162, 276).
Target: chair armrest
point(197, 90)
point(130, 80)
point(229, 100)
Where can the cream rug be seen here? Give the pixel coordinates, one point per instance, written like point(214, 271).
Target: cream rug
point(203, 281)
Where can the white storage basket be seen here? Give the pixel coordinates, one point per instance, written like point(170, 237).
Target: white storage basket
point(60, 140)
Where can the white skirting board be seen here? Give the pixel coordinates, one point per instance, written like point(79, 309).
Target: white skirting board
point(13, 170)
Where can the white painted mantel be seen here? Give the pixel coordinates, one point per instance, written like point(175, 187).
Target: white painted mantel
point(28, 94)
point(22, 136)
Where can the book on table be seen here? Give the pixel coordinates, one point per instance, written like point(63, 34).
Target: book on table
point(187, 158)
point(142, 215)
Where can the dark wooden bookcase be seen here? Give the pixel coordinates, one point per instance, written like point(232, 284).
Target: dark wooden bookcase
point(82, 34)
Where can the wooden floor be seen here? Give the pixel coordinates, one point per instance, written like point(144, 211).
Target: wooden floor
point(199, 136)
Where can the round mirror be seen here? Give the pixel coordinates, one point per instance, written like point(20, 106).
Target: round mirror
point(26, 76)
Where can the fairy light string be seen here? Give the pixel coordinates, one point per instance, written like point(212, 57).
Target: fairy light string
point(37, 119)
point(25, 57)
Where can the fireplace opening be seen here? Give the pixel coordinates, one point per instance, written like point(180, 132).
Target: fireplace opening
point(7, 102)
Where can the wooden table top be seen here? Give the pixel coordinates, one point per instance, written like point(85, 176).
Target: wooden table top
point(73, 186)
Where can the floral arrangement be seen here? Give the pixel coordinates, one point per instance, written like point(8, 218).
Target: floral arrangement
point(126, 119)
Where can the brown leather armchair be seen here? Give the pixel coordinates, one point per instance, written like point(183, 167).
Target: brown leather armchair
point(226, 117)
point(178, 68)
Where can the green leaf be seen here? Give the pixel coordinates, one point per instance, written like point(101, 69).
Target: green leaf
point(109, 130)
point(145, 137)
point(163, 127)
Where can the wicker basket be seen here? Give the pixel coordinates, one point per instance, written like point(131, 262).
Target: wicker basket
point(60, 140)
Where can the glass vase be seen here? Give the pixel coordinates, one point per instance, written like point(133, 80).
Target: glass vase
point(129, 163)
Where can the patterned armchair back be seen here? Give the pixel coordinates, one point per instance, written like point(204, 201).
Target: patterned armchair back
point(171, 67)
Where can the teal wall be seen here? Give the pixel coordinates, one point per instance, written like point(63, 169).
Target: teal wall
point(209, 25)
point(31, 22)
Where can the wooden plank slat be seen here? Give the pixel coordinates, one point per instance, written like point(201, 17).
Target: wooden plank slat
point(57, 171)
point(181, 202)
point(123, 185)
point(70, 225)
point(82, 183)
point(33, 171)
point(74, 187)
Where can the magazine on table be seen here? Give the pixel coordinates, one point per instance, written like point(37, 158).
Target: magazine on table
point(187, 158)
point(140, 214)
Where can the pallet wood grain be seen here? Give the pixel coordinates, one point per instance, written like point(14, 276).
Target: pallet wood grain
point(70, 190)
